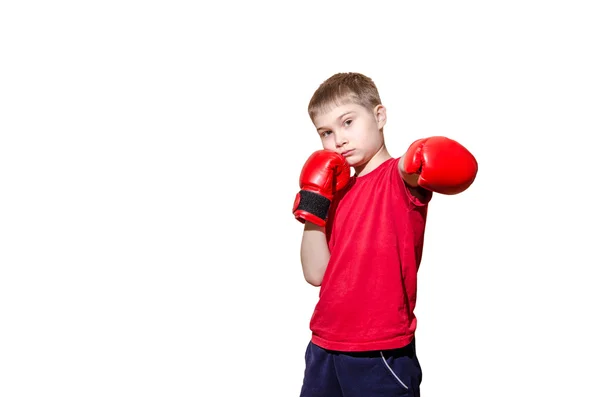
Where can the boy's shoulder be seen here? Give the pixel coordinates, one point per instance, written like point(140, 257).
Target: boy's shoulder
point(388, 173)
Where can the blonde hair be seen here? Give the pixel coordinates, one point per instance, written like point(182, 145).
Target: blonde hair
point(341, 89)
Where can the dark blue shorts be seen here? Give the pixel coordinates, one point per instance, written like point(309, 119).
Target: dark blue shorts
point(366, 374)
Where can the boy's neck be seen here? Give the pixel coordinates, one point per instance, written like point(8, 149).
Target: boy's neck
point(379, 158)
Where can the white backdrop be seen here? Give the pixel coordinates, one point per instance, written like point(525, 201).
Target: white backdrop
point(149, 159)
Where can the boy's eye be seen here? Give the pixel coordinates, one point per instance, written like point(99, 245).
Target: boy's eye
point(325, 133)
point(348, 122)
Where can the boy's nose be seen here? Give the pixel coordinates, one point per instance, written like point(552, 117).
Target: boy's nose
point(340, 139)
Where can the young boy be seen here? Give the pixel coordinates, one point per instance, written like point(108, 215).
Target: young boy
point(363, 239)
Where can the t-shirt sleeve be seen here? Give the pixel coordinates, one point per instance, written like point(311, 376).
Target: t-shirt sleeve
point(417, 201)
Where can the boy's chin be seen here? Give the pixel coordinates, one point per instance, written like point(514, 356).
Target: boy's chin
point(354, 162)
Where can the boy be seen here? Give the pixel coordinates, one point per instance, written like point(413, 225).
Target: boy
point(363, 239)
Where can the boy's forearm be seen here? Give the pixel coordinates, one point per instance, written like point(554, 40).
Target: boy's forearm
point(314, 253)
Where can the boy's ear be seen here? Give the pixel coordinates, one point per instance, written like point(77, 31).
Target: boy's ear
point(380, 115)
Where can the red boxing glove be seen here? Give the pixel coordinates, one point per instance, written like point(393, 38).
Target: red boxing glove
point(324, 173)
point(444, 166)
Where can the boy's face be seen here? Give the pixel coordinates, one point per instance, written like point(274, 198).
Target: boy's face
point(352, 131)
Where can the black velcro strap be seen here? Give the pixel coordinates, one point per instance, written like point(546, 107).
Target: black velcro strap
point(314, 203)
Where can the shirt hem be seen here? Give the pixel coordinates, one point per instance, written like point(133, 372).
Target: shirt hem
point(390, 344)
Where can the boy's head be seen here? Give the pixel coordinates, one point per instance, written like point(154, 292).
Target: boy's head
point(346, 110)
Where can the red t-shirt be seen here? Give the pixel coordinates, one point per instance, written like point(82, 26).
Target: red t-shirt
point(369, 290)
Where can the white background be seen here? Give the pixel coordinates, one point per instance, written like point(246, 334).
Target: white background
point(149, 159)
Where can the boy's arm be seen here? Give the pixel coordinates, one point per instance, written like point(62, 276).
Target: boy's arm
point(437, 164)
point(324, 173)
point(314, 253)
point(412, 182)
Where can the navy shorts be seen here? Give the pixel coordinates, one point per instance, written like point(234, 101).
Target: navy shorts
point(363, 374)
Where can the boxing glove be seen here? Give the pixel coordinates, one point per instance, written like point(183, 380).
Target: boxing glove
point(444, 165)
point(324, 173)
